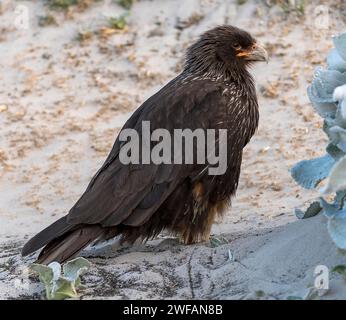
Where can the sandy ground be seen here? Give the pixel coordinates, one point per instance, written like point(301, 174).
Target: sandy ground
point(66, 90)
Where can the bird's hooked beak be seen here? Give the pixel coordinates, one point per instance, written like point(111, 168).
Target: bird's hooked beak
point(256, 53)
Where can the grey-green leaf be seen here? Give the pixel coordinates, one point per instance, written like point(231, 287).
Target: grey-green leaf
point(309, 173)
point(64, 289)
point(338, 137)
point(337, 229)
point(313, 210)
point(335, 62)
point(56, 268)
point(329, 209)
point(75, 268)
point(337, 178)
point(340, 269)
point(61, 286)
point(340, 117)
point(340, 45)
point(335, 152)
point(45, 273)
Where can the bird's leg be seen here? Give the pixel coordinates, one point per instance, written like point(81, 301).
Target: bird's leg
point(188, 240)
point(202, 219)
point(191, 237)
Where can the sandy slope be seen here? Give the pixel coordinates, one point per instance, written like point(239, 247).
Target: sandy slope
point(63, 101)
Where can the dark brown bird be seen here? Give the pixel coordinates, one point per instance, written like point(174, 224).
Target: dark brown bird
point(137, 201)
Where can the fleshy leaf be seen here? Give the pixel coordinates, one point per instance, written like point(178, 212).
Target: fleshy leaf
point(340, 117)
point(322, 106)
point(337, 229)
point(327, 94)
point(340, 45)
point(325, 81)
point(309, 173)
point(340, 269)
point(56, 268)
point(46, 276)
point(65, 289)
point(322, 89)
point(313, 210)
point(75, 268)
point(61, 286)
point(338, 137)
point(335, 62)
point(340, 198)
point(329, 209)
point(45, 273)
point(328, 123)
point(335, 152)
point(337, 179)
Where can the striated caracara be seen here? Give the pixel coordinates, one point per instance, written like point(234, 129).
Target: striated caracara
point(138, 200)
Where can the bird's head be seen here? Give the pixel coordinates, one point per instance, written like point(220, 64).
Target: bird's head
point(224, 49)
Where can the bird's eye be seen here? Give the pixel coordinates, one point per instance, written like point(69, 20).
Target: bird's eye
point(236, 46)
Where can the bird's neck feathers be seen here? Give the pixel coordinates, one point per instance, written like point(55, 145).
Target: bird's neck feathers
point(203, 64)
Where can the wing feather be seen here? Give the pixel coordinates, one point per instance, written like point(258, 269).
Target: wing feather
point(130, 194)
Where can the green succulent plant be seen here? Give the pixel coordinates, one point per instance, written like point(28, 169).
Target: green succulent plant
point(327, 94)
point(61, 282)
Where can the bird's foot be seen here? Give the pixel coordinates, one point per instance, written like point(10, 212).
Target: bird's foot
point(194, 240)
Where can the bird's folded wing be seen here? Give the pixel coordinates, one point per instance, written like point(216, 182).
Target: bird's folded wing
point(130, 194)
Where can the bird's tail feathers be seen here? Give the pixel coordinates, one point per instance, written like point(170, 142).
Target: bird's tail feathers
point(68, 245)
point(55, 230)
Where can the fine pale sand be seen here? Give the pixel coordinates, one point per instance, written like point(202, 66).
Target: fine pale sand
point(66, 90)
